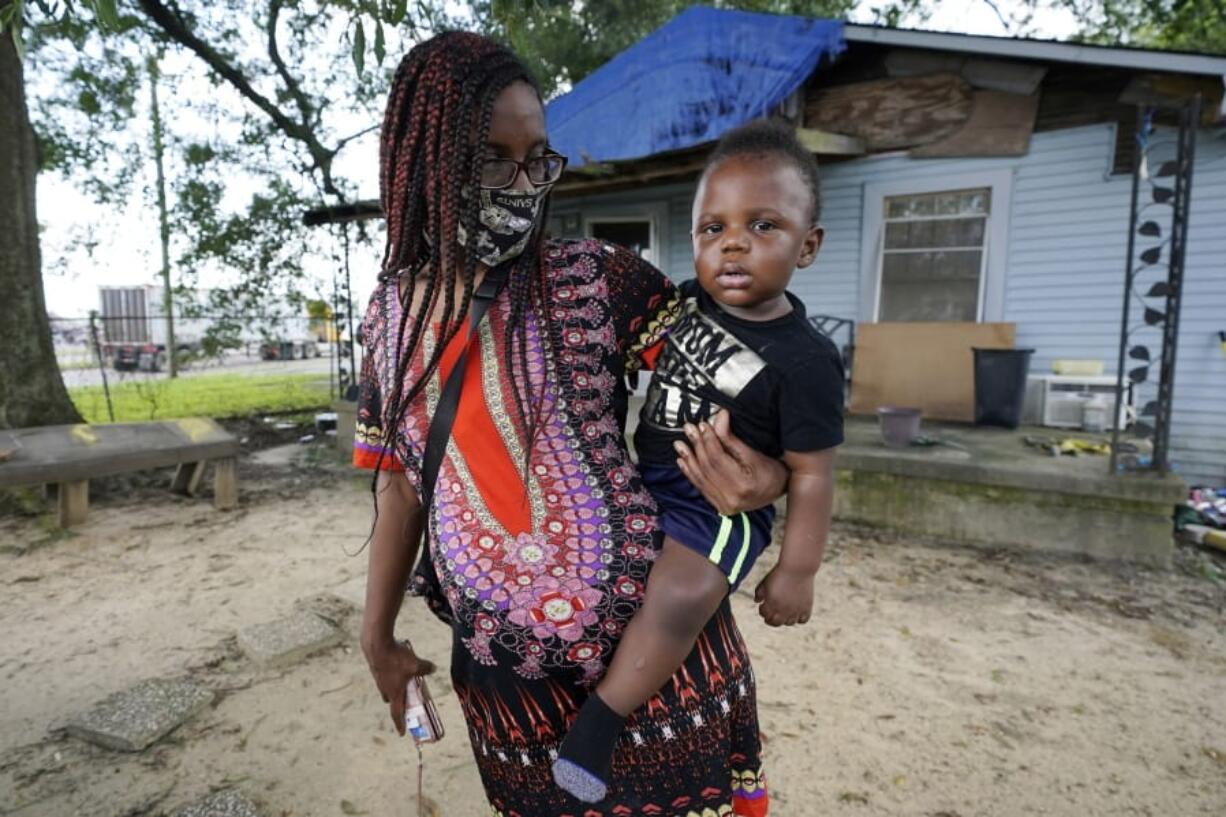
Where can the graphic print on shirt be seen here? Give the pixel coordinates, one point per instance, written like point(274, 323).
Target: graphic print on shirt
point(698, 355)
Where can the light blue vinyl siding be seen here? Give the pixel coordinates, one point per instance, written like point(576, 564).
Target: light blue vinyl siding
point(671, 201)
point(1063, 280)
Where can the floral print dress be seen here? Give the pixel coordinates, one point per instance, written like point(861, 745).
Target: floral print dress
point(538, 570)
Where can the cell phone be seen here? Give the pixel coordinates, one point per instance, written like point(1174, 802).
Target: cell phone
point(421, 718)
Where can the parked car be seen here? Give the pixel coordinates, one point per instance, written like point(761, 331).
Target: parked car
point(289, 349)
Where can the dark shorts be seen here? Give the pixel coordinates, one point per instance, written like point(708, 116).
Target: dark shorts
point(732, 543)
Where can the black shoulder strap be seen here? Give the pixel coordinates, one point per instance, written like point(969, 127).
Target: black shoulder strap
point(449, 399)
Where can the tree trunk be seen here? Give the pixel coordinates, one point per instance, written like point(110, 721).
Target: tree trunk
point(159, 153)
point(32, 391)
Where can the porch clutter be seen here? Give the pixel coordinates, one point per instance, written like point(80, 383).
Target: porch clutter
point(900, 427)
point(927, 365)
point(1202, 519)
point(1000, 386)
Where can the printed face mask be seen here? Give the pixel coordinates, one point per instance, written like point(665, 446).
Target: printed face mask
point(505, 224)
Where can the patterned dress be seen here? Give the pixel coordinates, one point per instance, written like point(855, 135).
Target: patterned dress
point(538, 574)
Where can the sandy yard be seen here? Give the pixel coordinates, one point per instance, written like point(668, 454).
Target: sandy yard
point(932, 680)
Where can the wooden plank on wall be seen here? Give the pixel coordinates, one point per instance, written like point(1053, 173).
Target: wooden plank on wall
point(1000, 124)
point(888, 114)
point(928, 366)
point(988, 74)
point(829, 144)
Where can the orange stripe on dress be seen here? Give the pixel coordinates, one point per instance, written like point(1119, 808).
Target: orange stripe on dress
point(498, 477)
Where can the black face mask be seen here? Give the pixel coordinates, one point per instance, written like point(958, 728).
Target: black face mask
point(505, 224)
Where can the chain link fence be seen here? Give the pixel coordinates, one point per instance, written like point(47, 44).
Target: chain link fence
point(118, 367)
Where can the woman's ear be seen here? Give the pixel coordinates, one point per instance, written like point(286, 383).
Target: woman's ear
point(812, 243)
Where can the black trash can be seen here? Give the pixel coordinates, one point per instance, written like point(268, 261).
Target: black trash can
point(1000, 386)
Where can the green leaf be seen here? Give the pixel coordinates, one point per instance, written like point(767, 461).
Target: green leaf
point(380, 49)
point(87, 101)
point(399, 9)
point(10, 13)
point(108, 15)
point(18, 44)
point(359, 47)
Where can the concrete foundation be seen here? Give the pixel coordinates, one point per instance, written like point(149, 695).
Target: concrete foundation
point(985, 486)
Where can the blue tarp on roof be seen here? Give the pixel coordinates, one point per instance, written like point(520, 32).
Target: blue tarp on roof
point(702, 73)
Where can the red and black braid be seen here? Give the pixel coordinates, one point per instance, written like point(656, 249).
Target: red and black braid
point(430, 156)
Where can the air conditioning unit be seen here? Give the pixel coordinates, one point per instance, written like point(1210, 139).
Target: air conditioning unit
point(1057, 401)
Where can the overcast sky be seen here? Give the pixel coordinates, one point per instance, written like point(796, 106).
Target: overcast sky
point(127, 252)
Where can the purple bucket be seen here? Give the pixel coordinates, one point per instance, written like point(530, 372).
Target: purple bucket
point(899, 425)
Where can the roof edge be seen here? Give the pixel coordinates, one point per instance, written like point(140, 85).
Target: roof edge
point(1178, 62)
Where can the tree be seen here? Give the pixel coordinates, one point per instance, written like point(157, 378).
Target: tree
point(283, 115)
point(563, 41)
point(1185, 25)
point(31, 389)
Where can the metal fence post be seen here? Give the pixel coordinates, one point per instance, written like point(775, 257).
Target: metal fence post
point(93, 336)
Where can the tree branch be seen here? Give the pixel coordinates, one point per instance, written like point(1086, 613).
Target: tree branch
point(291, 84)
point(341, 144)
point(999, 15)
point(173, 27)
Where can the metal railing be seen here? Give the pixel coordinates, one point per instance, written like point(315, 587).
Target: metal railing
point(1153, 282)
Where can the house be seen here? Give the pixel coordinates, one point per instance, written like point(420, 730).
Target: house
point(965, 178)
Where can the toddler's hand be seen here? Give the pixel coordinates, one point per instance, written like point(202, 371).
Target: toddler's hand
point(785, 597)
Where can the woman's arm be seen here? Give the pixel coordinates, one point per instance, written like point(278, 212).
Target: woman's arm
point(393, 551)
point(731, 475)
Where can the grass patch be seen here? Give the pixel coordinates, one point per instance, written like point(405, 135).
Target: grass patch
point(215, 395)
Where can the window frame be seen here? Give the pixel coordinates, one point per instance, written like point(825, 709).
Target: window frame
point(654, 215)
point(999, 184)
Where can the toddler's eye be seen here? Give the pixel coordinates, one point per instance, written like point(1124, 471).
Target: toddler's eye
point(763, 226)
point(711, 229)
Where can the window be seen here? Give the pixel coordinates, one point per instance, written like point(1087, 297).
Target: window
point(636, 235)
point(932, 255)
point(934, 246)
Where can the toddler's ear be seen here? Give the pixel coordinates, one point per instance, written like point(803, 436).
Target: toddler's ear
point(813, 243)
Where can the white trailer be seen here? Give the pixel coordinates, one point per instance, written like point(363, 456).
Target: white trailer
point(133, 331)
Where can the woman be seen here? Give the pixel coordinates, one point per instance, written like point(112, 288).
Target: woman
point(540, 534)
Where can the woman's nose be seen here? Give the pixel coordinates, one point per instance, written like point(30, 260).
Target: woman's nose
point(521, 182)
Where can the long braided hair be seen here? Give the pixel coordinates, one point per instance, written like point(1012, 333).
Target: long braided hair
point(430, 156)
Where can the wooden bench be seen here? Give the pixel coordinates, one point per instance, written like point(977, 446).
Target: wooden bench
point(69, 456)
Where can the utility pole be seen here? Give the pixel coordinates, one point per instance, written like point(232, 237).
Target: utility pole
point(163, 218)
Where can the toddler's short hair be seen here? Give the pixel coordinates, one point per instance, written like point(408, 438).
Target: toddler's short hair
point(771, 137)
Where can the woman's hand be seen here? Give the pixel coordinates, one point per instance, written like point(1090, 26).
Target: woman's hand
point(393, 549)
point(731, 475)
point(393, 663)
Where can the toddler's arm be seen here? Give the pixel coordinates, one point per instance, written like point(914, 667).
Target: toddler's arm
point(785, 596)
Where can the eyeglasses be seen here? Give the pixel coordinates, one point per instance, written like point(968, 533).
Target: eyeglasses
point(498, 174)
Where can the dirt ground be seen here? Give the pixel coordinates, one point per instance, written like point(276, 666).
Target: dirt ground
point(933, 680)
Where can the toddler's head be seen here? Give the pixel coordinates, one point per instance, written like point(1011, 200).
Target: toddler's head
point(755, 217)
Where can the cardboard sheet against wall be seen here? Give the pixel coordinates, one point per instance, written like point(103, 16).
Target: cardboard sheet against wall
point(928, 366)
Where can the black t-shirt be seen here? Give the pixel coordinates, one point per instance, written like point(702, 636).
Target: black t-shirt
point(781, 379)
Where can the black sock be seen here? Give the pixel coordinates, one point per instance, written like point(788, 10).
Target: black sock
point(589, 746)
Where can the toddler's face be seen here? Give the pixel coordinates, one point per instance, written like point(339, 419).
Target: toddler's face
point(752, 228)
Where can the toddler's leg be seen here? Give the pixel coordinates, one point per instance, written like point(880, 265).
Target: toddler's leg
point(684, 590)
